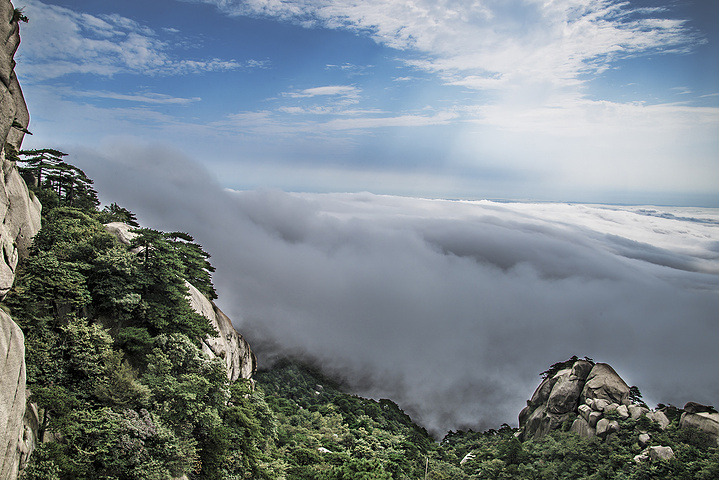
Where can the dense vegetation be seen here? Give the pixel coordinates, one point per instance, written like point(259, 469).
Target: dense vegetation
point(112, 346)
point(125, 392)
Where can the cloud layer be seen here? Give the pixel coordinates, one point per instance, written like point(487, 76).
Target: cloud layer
point(452, 309)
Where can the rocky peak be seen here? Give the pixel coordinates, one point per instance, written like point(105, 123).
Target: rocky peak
point(595, 399)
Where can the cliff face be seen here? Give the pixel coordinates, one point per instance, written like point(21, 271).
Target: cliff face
point(20, 214)
point(19, 211)
point(229, 345)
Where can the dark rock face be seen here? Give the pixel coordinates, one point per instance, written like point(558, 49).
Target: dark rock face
point(694, 407)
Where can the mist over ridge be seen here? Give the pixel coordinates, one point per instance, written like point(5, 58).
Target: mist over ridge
point(450, 308)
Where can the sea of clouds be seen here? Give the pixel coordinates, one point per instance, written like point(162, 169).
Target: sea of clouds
point(450, 308)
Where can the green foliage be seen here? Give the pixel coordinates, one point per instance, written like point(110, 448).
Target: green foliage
point(116, 213)
point(49, 171)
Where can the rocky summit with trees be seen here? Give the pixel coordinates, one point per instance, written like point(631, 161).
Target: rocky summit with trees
point(117, 364)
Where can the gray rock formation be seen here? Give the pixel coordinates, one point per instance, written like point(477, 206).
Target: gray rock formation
point(229, 345)
point(604, 383)
point(20, 215)
point(593, 396)
point(705, 419)
point(19, 211)
point(16, 443)
point(660, 418)
point(660, 453)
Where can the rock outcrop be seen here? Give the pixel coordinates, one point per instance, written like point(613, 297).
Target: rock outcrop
point(596, 399)
point(702, 417)
point(229, 344)
point(584, 393)
point(20, 215)
point(17, 439)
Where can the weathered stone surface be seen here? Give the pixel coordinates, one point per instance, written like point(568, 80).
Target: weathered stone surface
point(15, 442)
point(600, 404)
point(580, 370)
point(641, 458)
point(594, 417)
point(604, 383)
point(584, 411)
point(541, 394)
point(705, 421)
point(636, 411)
point(554, 401)
point(229, 345)
point(623, 412)
point(660, 418)
point(582, 428)
point(644, 439)
point(19, 222)
point(565, 394)
point(605, 427)
point(121, 231)
point(660, 453)
point(541, 422)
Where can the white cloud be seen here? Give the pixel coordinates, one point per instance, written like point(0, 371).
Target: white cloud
point(60, 41)
point(529, 40)
point(381, 122)
point(329, 90)
point(149, 97)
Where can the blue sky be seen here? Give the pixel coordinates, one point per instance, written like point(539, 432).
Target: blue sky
point(566, 100)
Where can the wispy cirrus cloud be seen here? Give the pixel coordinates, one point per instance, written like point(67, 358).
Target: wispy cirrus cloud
point(329, 90)
point(147, 98)
point(492, 44)
point(59, 41)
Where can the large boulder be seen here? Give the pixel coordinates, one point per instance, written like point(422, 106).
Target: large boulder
point(564, 395)
point(660, 453)
point(660, 418)
point(703, 420)
point(604, 383)
point(554, 401)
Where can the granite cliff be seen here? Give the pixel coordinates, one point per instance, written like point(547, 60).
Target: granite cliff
point(20, 213)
